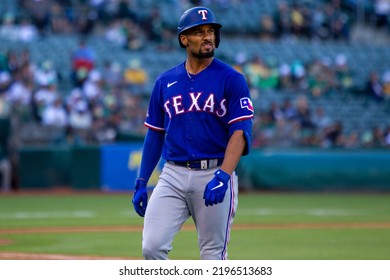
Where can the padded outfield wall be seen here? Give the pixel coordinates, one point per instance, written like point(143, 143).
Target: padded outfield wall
point(115, 167)
point(316, 170)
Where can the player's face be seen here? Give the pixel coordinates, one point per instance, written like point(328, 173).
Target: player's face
point(201, 41)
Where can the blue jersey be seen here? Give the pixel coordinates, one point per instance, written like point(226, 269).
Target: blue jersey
point(196, 112)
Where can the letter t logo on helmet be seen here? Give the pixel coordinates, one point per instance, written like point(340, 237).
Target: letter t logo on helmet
point(198, 16)
point(204, 13)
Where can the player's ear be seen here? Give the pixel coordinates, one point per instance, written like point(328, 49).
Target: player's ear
point(184, 40)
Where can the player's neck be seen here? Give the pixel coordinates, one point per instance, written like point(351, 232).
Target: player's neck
point(195, 66)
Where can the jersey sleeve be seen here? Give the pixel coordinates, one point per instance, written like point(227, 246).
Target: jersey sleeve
point(241, 108)
point(155, 115)
point(240, 105)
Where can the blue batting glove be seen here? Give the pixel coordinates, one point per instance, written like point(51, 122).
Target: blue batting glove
point(216, 188)
point(140, 198)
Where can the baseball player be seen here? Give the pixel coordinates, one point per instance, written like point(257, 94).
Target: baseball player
point(200, 121)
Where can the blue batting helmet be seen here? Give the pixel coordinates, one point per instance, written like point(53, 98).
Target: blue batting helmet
point(198, 16)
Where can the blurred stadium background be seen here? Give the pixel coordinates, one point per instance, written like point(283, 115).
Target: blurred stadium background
point(76, 76)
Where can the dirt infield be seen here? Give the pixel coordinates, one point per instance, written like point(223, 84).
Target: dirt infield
point(33, 256)
point(374, 225)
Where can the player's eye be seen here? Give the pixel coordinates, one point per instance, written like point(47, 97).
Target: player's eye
point(198, 32)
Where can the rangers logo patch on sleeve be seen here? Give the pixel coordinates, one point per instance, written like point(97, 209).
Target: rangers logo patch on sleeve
point(246, 102)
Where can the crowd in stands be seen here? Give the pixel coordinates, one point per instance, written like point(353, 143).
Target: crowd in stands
point(294, 123)
point(102, 102)
point(107, 101)
point(305, 20)
point(317, 78)
point(123, 23)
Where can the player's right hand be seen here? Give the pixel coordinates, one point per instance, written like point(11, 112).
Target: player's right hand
point(140, 198)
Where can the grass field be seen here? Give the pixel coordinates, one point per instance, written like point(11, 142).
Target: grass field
point(287, 226)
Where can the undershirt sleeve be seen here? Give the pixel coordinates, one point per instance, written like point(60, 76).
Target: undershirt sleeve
point(153, 144)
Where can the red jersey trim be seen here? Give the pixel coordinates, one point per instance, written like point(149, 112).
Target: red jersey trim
point(240, 119)
point(153, 127)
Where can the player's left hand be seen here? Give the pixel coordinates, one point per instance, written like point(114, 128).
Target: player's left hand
point(140, 198)
point(216, 188)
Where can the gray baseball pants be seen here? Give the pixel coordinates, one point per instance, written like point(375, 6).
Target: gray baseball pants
point(178, 196)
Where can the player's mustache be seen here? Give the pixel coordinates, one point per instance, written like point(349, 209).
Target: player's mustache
point(207, 42)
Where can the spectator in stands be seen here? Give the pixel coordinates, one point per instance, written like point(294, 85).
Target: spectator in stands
point(267, 28)
point(27, 32)
point(321, 78)
point(260, 74)
point(135, 77)
point(274, 113)
point(39, 11)
point(83, 60)
point(135, 37)
point(45, 95)
point(338, 22)
point(154, 26)
point(125, 10)
point(373, 138)
point(116, 32)
point(303, 114)
point(386, 135)
point(319, 25)
point(8, 28)
point(16, 60)
point(263, 129)
point(304, 121)
point(282, 20)
point(93, 87)
point(5, 163)
point(343, 73)
point(288, 109)
point(382, 13)
point(333, 135)
point(54, 114)
point(299, 76)
point(5, 105)
point(386, 85)
point(132, 116)
point(167, 42)
point(352, 140)
point(321, 120)
point(285, 79)
point(84, 20)
point(112, 74)
point(62, 17)
point(307, 14)
point(297, 20)
point(46, 73)
point(20, 96)
point(286, 134)
point(374, 87)
point(80, 121)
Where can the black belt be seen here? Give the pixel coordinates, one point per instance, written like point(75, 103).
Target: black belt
point(199, 164)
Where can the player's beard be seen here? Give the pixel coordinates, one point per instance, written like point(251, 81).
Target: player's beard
point(201, 54)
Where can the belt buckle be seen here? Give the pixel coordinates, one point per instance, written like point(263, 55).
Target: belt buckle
point(188, 164)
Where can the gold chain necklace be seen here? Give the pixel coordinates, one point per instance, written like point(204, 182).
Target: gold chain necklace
point(188, 73)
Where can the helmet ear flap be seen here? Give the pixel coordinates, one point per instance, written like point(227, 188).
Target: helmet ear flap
point(217, 37)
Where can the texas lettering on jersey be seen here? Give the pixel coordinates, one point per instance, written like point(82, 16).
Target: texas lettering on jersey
point(176, 105)
point(203, 108)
